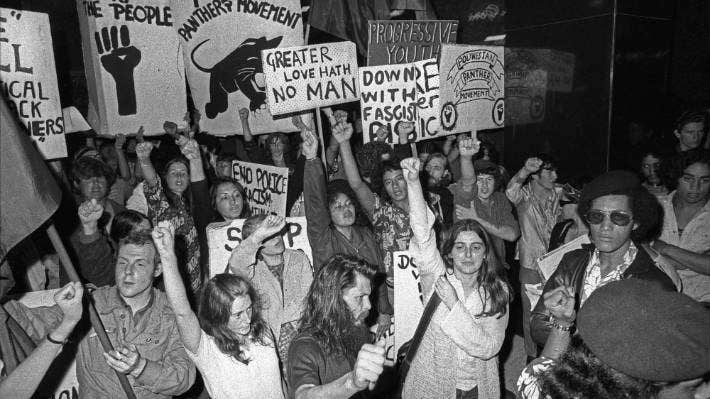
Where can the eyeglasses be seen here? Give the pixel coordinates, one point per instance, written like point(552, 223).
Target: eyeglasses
point(617, 217)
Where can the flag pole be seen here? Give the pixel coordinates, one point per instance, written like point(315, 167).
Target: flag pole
point(93, 314)
point(319, 123)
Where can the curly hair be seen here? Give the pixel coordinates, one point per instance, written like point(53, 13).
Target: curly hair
point(579, 374)
point(645, 208)
point(672, 168)
point(326, 315)
point(491, 276)
point(369, 157)
point(378, 185)
point(341, 186)
point(215, 309)
point(225, 180)
point(87, 167)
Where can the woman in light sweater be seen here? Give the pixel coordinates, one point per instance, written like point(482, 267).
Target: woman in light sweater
point(458, 356)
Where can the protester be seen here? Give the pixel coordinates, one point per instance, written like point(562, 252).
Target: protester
point(331, 356)
point(651, 172)
point(572, 226)
point(620, 213)
point(633, 339)
point(24, 380)
point(228, 200)
point(281, 276)
point(458, 354)
point(690, 130)
point(128, 222)
point(230, 343)
point(138, 321)
point(532, 191)
point(438, 178)
point(685, 237)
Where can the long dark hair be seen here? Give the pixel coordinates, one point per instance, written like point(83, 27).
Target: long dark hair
point(326, 315)
point(216, 309)
point(579, 374)
point(172, 197)
point(213, 196)
point(491, 277)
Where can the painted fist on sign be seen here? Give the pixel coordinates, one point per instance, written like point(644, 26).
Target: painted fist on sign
point(119, 59)
point(143, 150)
point(410, 169)
point(369, 365)
point(342, 132)
point(309, 147)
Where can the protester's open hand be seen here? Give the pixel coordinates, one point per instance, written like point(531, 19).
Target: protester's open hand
point(404, 129)
point(410, 168)
point(383, 325)
point(273, 224)
point(369, 365)
point(309, 146)
point(532, 165)
point(164, 240)
point(90, 212)
point(124, 359)
point(342, 132)
point(69, 298)
point(466, 213)
point(143, 150)
point(120, 141)
point(469, 147)
point(560, 303)
point(446, 292)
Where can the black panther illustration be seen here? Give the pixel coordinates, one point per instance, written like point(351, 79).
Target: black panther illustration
point(237, 71)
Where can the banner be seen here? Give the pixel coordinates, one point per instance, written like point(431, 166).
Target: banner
point(134, 67)
point(408, 297)
point(472, 88)
point(390, 94)
point(64, 381)
point(266, 186)
point(223, 237)
point(222, 42)
point(306, 77)
point(558, 65)
point(28, 78)
point(403, 42)
point(525, 93)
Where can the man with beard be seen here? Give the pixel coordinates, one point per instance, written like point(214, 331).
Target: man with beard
point(477, 197)
point(331, 356)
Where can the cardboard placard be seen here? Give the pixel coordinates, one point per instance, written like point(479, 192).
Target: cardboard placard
point(223, 237)
point(397, 93)
point(558, 65)
point(266, 186)
point(306, 77)
point(525, 93)
point(408, 297)
point(28, 78)
point(134, 67)
point(68, 385)
point(222, 42)
point(403, 42)
point(472, 88)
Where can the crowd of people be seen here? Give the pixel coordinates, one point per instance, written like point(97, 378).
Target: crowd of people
point(625, 314)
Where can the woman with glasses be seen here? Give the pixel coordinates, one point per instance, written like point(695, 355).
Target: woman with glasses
point(620, 214)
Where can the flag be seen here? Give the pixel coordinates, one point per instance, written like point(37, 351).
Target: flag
point(29, 194)
point(346, 19)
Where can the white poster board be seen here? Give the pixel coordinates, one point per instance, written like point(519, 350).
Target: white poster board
point(548, 263)
point(558, 65)
point(525, 93)
point(266, 186)
point(133, 63)
point(306, 77)
point(390, 94)
point(223, 237)
point(472, 88)
point(222, 43)
point(405, 41)
point(28, 78)
point(408, 297)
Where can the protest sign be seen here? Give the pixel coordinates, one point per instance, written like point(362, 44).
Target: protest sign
point(408, 297)
point(266, 186)
point(62, 376)
point(548, 262)
point(134, 66)
point(223, 237)
point(306, 77)
point(558, 65)
point(403, 42)
point(28, 78)
point(388, 337)
point(390, 94)
point(472, 88)
point(525, 92)
point(222, 42)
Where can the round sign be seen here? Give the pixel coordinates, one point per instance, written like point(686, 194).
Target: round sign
point(448, 116)
point(498, 112)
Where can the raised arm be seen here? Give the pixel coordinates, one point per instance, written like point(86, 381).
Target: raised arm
point(468, 147)
point(123, 169)
point(342, 133)
point(513, 192)
point(143, 154)
point(243, 257)
point(187, 321)
point(25, 379)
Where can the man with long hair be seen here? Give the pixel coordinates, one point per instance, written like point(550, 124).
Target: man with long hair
point(331, 356)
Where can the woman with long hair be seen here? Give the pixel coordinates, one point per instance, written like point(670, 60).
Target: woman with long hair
point(228, 200)
point(228, 340)
point(469, 324)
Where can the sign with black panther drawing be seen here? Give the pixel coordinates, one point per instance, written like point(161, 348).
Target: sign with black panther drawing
point(28, 78)
point(134, 65)
point(222, 42)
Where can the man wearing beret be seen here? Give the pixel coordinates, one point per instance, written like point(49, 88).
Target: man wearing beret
point(620, 214)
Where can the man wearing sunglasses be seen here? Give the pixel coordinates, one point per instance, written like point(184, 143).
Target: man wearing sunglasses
point(620, 214)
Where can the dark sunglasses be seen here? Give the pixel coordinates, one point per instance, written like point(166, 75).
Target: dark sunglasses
point(617, 217)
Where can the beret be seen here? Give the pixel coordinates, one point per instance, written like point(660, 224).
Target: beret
point(616, 181)
point(644, 331)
